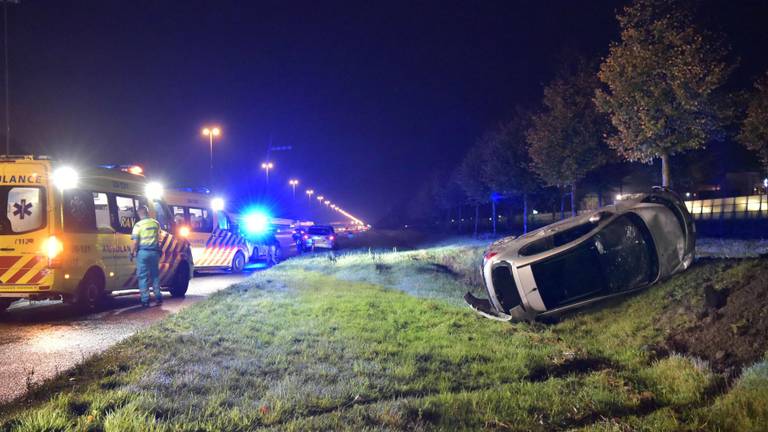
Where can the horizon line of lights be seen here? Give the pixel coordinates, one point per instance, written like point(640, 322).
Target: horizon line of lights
point(324, 200)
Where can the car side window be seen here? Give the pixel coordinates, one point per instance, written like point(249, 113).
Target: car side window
point(162, 215)
point(126, 213)
point(79, 213)
point(102, 212)
point(200, 220)
point(223, 220)
point(178, 215)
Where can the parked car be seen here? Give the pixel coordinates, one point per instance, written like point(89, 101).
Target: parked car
point(320, 236)
point(298, 238)
point(617, 249)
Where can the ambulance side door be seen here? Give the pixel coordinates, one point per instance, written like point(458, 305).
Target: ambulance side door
point(106, 238)
point(124, 217)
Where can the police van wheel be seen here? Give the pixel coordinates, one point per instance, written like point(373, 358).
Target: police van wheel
point(180, 282)
point(238, 262)
point(90, 293)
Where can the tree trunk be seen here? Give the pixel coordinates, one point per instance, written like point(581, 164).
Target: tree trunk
point(573, 199)
point(477, 217)
point(600, 197)
point(525, 213)
point(493, 215)
point(665, 180)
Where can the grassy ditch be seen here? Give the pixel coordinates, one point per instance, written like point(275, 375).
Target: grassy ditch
point(373, 341)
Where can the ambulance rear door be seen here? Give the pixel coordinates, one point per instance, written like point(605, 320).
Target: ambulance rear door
point(25, 223)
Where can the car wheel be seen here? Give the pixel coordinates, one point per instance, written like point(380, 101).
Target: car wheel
point(5, 303)
point(90, 292)
point(180, 282)
point(238, 262)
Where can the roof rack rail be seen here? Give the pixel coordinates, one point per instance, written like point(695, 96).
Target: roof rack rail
point(25, 157)
point(201, 190)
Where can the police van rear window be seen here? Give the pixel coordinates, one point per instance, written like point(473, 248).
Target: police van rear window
point(25, 209)
point(200, 220)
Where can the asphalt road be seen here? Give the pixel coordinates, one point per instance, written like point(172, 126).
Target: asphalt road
point(39, 340)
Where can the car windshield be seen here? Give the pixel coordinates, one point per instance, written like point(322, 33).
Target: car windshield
point(320, 230)
point(619, 257)
point(24, 209)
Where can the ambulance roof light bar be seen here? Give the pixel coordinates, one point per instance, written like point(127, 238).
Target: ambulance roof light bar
point(130, 169)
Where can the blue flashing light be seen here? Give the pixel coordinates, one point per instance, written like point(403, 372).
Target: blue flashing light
point(256, 222)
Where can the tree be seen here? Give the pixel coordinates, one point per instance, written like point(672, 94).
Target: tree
point(468, 176)
point(662, 81)
point(507, 164)
point(566, 138)
point(754, 129)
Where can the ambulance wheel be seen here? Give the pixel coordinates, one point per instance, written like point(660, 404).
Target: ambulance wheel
point(90, 293)
point(180, 282)
point(238, 263)
point(5, 303)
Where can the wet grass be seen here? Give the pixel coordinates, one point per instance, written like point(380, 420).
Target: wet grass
point(335, 344)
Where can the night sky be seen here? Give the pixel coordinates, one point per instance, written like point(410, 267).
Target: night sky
point(372, 98)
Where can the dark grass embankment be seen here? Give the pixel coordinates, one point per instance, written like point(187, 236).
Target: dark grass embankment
point(379, 341)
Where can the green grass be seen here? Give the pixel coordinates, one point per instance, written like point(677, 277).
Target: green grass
point(380, 341)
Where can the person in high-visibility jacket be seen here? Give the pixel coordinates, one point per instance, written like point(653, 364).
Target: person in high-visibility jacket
point(146, 249)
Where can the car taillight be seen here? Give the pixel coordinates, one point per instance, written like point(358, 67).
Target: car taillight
point(306, 237)
point(184, 231)
point(331, 237)
point(488, 255)
point(52, 248)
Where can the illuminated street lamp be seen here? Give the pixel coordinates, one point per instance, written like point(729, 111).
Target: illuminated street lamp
point(266, 166)
point(320, 198)
point(210, 133)
point(327, 202)
point(293, 183)
point(309, 193)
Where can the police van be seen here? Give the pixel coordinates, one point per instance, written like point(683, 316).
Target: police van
point(220, 240)
point(66, 233)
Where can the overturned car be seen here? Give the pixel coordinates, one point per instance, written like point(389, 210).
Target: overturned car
point(614, 250)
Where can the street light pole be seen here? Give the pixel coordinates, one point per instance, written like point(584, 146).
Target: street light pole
point(7, 78)
point(293, 183)
point(266, 166)
point(210, 133)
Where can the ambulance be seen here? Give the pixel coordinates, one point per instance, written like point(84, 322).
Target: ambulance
point(220, 240)
point(66, 233)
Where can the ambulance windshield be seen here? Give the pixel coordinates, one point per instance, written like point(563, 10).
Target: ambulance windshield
point(24, 209)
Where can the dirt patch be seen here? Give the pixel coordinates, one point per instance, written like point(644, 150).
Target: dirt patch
point(438, 268)
point(576, 366)
point(730, 329)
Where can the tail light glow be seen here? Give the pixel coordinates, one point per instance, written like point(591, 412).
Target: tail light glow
point(488, 255)
point(184, 231)
point(52, 248)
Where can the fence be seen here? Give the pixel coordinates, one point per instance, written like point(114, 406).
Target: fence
point(742, 207)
